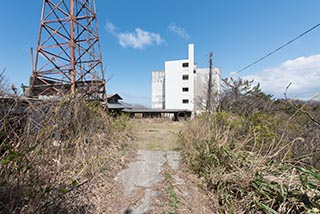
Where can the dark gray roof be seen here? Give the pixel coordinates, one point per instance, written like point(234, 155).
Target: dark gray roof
point(119, 105)
point(114, 95)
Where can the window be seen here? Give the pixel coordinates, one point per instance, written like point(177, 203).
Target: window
point(185, 77)
point(185, 89)
point(185, 64)
point(185, 101)
point(194, 71)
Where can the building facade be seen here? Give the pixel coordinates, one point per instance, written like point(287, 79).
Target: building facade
point(158, 87)
point(182, 85)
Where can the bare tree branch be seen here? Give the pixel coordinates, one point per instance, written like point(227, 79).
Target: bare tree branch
point(300, 109)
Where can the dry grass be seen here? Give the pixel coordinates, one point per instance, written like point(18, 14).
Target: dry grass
point(250, 166)
point(257, 155)
point(52, 151)
point(157, 134)
point(180, 192)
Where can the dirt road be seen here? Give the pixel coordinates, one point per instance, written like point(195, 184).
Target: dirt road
point(154, 180)
point(157, 174)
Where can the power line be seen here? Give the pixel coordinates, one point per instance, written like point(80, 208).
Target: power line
point(276, 50)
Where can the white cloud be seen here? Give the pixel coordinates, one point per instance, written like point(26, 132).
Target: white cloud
point(111, 28)
point(137, 39)
point(303, 73)
point(179, 30)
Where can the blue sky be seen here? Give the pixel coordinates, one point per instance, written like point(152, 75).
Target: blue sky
point(138, 36)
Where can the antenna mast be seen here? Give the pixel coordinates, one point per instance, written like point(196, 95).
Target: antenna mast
point(68, 56)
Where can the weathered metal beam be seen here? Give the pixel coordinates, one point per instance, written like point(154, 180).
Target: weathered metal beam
point(68, 49)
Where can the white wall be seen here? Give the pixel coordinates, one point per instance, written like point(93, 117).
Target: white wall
point(192, 68)
point(167, 85)
point(158, 90)
point(201, 87)
point(174, 71)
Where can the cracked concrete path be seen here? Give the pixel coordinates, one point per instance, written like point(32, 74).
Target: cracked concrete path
point(143, 174)
point(154, 180)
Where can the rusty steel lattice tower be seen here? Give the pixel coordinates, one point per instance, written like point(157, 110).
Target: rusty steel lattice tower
point(68, 56)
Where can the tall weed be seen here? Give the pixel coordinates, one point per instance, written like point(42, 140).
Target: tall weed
point(51, 148)
point(252, 163)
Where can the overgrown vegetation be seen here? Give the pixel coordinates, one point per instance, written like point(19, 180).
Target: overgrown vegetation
point(257, 155)
point(50, 151)
point(172, 195)
point(4, 88)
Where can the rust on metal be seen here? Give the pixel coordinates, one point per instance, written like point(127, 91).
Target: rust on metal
point(68, 56)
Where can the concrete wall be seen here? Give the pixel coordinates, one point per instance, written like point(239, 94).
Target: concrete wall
point(158, 90)
point(201, 88)
point(192, 69)
point(174, 72)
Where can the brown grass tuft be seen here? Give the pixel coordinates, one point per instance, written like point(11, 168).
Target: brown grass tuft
point(52, 150)
point(251, 163)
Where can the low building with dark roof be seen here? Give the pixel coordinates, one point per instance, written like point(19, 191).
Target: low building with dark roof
point(117, 106)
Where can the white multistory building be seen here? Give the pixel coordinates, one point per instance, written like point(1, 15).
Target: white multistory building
point(183, 86)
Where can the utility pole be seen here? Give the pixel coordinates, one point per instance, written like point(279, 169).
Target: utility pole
point(210, 86)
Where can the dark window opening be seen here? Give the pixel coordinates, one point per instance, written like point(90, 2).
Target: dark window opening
point(185, 101)
point(194, 71)
point(185, 64)
point(185, 77)
point(185, 89)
